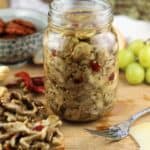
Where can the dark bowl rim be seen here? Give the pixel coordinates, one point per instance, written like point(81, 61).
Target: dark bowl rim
point(23, 37)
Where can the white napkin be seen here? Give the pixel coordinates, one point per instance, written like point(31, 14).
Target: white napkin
point(133, 29)
point(141, 134)
point(31, 4)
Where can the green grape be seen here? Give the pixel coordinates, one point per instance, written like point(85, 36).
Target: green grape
point(125, 57)
point(147, 76)
point(144, 57)
point(136, 46)
point(135, 73)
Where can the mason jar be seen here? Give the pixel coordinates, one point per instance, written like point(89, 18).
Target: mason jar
point(80, 59)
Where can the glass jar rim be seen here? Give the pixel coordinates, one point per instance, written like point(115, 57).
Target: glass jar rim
point(101, 8)
point(103, 5)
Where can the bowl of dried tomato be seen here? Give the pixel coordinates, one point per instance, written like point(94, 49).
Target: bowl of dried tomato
point(21, 34)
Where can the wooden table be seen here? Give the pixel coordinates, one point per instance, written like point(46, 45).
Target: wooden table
point(4, 3)
point(130, 99)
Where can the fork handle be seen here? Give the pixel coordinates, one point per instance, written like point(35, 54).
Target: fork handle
point(139, 114)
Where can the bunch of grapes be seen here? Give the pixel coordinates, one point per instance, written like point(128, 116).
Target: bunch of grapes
point(135, 62)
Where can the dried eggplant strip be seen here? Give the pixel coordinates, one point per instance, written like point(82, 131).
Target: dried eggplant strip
point(23, 128)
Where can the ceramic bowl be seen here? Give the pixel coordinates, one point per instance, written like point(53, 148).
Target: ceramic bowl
point(21, 49)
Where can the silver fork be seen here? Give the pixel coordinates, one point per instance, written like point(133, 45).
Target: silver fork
point(119, 131)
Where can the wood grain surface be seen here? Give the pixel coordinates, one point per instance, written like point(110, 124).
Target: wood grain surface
point(4, 3)
point(130, 99)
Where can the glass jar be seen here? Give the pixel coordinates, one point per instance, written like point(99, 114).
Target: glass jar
point(80, 51)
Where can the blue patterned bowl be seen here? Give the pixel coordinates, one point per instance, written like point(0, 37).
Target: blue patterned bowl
point(17, 50)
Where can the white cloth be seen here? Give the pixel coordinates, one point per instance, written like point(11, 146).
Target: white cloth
point(32, 4)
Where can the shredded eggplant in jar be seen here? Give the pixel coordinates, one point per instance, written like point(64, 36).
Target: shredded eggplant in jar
point(80, 60)
point(82, 76)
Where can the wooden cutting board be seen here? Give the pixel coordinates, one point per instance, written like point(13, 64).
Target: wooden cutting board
point(130, 99)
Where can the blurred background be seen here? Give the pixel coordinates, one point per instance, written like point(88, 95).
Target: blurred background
point(139, 9)
point(40, 5)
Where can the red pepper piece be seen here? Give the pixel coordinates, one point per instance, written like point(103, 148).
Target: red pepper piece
point(38, 80)
point(25, 77)
point(29, 84)
point(38, 89)
point(11, 85)
point(38, 128)
point(95, 66)
point(111, 77)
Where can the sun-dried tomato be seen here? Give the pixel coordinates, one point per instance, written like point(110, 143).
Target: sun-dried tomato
point(25, 77)
point(95, 66)
point(16, 29)
point(38, 89)
point(38, 80)
point(25, 23)
point(38, 128)
point(29, 83)
point(2, 26)
point(111, 77)
point(12, 85)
